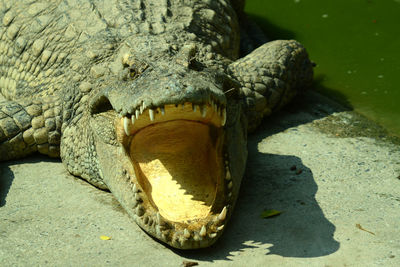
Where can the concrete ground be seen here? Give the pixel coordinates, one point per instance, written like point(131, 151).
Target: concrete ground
point(333, 174)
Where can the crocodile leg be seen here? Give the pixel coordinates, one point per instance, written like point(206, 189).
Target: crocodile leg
point(271, 76)
point(28, 126)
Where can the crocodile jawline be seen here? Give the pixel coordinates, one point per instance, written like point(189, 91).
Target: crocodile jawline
point(181, 178)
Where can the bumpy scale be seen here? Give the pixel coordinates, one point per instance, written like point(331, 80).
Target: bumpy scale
point(146, 98)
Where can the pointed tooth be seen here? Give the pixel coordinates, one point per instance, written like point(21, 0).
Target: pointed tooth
point(186, 233)
point(134, 188)
point(196, 238)
point(151, 114)
point(141, 109)
point(133, 119)
point(228, 175)
point(144, 105)
point(223, 116)
point(203, 231)
point(137, 113)
point(219, 228)
point(175, 239)
point(230, 195)
point(222, 215)
point(163, 236)
point(162, 109)
point(158, 230)
point(230, 185)
point(213, 235)
point(203, 110)
point(159, 219)
point(127, 124)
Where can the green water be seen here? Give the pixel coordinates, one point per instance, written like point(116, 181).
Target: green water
point(355, 43)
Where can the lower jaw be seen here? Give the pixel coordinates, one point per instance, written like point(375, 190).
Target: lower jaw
point(180, 183)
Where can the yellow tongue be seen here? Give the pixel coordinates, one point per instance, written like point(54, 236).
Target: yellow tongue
point(177, 165)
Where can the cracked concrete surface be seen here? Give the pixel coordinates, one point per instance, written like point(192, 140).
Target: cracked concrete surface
point(336, 182)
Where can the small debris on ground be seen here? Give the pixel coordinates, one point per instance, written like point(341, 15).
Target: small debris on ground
point(293, 168)
point(104, 237)
point(270, 213)
point(363, 229)
point(299, 171)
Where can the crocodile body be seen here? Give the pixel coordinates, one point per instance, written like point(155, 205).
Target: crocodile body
point(146, 98)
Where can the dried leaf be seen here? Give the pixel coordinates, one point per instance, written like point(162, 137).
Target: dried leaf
point(104, 237)
point(270, 213)
point(363, 229)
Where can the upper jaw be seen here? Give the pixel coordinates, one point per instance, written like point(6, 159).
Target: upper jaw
point(149, 213)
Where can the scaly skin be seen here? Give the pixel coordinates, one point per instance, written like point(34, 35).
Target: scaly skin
point(102, 84)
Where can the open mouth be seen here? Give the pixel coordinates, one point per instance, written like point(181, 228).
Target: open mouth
point(181, 179)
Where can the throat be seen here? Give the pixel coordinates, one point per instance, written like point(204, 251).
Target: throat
point(179, 165)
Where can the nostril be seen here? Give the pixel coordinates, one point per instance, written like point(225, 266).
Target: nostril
point(100, 104)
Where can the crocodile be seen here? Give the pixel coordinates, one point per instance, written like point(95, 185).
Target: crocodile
point(149, 99)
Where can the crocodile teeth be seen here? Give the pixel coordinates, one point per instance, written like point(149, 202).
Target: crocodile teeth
point(228, 175)
point(196, 238)
point(215, 107)
point(137, 113)
point(127, 126)
point(186, 233)
point(213, 235)
point(222, 215)
point(134, 188)
point(203, 231)
point(230, 185)
point(151, 114)
point(159, 220)
point(219, 228)
point(203, 110)
point(158, 230)
point(223, 116)
point(133, 119)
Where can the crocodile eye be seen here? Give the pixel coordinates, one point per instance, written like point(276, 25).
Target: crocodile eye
point(133, 67)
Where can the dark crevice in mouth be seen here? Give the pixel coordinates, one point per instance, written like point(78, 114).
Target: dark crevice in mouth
point(180, 176)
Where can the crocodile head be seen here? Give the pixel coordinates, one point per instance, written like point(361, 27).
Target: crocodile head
point(171, 146)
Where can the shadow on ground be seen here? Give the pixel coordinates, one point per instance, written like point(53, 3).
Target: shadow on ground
point(6, 179)
point(7, 176)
